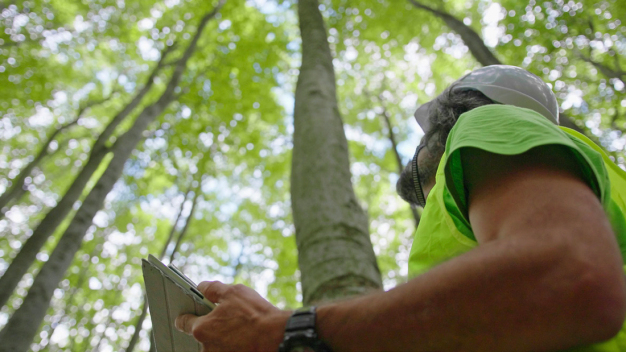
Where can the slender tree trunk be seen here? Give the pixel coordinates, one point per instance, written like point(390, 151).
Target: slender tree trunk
point(107, 324)
point(144, 307)
point(179, 240)
point(22, 326)
point(609, 72)
point(474, 42)
point(69, 302)
point(479, 50)
point(28, 253)
point(138, 326)
point(183, 232)
point(335, 254)
point(170, 236)
point(394, 146)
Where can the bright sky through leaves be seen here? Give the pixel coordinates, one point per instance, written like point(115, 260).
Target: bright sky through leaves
point(229, 132)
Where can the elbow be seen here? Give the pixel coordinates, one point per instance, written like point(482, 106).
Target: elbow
point(609, 310)
point(600, 302)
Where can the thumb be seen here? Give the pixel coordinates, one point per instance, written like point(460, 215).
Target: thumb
point(184, 323)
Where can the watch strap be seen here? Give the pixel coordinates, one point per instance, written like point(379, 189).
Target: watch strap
point(300, 332)
point(301, 319)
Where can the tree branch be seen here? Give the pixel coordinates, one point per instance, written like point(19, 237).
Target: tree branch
point(469, 36)
point(135, 101)
point(15, 192)
point(394, 146)
point(183, 232)
point(173, 229)
point(607, 71)
point(479, 50)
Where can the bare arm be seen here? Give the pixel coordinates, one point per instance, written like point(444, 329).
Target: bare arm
point(546, 276)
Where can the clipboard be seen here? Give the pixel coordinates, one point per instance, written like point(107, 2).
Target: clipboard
point(170, 293)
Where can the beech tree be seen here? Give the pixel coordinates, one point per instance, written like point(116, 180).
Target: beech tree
point(335, 254)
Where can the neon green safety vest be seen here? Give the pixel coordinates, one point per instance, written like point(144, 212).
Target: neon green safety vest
point(444, 231)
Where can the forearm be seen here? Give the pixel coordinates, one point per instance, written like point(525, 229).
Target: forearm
point(501, 296)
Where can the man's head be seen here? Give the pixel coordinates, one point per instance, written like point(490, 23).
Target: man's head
point(499, 84)
point(443, 113)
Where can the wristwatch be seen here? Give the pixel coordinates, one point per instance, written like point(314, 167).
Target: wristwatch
point(300, 335)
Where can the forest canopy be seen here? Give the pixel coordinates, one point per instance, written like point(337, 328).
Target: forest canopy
point(130, 127)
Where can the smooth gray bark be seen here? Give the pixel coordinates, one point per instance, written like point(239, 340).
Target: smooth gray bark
point(479, 50)
point(335, 254)
point(23, 325)
point(46, 228)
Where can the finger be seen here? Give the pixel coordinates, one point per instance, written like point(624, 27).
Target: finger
point(184, 323)
point(213, 290)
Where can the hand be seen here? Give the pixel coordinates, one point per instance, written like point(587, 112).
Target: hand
point(242, 320)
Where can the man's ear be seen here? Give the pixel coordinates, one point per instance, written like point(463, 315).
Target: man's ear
point(405, 186)
point(429, 159)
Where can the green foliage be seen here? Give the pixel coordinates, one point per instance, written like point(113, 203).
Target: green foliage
point(229, 129)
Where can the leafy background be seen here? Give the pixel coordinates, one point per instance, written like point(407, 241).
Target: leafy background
point(226, 140)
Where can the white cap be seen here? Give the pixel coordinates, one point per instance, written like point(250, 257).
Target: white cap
point(504, 84)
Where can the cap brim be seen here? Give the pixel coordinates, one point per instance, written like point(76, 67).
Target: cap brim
point(421, 116)
point(503, 95)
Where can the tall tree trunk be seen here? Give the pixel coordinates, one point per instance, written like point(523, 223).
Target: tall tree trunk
point(335, 254)
point(479, 50)
point(69, 301)
point(22, 326)
point(28, 253)
point(144, 307)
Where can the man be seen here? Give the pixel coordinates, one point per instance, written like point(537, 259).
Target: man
point(520, 245)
